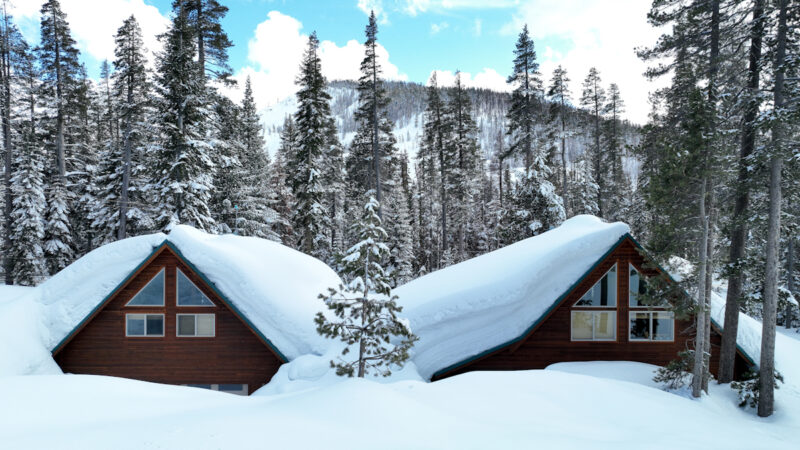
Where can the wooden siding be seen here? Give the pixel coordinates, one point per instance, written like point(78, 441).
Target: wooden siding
point(234, 355)
point(551, 342)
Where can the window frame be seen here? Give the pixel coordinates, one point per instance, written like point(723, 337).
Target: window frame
point(178, 292)
point(195, 335)
point(594, 312)
point(245, 388)
point(650, 313)
point(615, 306)
point(145, 335)
point(163, 291)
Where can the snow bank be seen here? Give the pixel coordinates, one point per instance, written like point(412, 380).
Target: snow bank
point(22, 337)
point(8, 293)
point(474, 306)
point(274, 286)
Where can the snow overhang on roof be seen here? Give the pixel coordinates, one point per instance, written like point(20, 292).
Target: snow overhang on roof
point(272, 287)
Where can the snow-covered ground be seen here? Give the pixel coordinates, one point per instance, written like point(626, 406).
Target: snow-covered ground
point(572, 405)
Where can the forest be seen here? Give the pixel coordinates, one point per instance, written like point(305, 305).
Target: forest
point(712, 177)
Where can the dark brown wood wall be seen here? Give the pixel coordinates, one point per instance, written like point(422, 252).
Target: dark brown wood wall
point(235, 355)
point(551, 341)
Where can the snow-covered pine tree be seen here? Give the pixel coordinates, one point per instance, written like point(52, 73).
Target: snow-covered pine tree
point(281, 183)
point(527, 83)
point(27, 217)
point(463, 149)
point(121, 178)
point(183, 169)
point(593, 98)
point(559, 96)
point(582, 188)
point(314, 121)
point(400, 230)
point(372, 164)
point(365, 310)
point(212, 42)
point(256, 216)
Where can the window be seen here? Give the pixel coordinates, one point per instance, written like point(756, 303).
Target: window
point(651, 326)
point(603, 293)
point(189, 294)
point(238, 389)
point(195, 325)
point(144, 325)
point(594, 325)
point(152, 294)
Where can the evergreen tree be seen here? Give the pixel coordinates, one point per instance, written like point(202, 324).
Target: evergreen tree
point(618, 189)
point(559, 96)
point(281, 183)
point(527, 91)
point(212, 42)
point(593, 98)
point(314, 123)
point(183, 169)
point(365, 310)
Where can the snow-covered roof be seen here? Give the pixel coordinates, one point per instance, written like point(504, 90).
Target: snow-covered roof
point(10, 292)
point(274, 287)
point(485, 302)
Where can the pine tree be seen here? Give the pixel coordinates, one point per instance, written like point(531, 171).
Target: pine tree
point(183, 169)
point(527, 91)
point(314, 122)
point(618, 189)
point(281, 183)
point(365, 310)
point(212, 43)
point(559, 96)
point(373, 161)
point(593, 98)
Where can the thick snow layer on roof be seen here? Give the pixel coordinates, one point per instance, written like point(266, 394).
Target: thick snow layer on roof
point(275, 287)
point(474, 306)
point(8, 293)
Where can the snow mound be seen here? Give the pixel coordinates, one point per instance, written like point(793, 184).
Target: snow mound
point(8, 293)
point(479, 304)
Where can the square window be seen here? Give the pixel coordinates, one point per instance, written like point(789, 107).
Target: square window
point(135, 324)
point(582, 325)
point(663, 326)
point(155, 325)
point(186, 325)
point(144, 325)
point(639, 329)
point(205, 325)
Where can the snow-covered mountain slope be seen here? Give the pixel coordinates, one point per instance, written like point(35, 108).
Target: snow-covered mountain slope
point(406, 111)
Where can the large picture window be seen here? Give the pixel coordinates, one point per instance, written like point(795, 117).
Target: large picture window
point(594, 325)
point(189, 294)
point(196, 325)
point(152, 294)
point(651, 326)
point(144, 325)
point(603, 293)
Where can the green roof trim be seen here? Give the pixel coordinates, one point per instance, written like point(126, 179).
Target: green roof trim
point(158, 248)
point(561, 299)
point(100, 305)
point(539, 320)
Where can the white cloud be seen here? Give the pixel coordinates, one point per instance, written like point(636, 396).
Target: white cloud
point(275, 52)
point(488, 78)
point(94, 23)
point(477, 28)
point(414, 7)
point(600, 36)
point(437, 27)
point(368, 6)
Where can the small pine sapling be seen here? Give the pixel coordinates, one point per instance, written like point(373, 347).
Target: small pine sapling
point(677, 372)
point(365, 310)
point(748, 388)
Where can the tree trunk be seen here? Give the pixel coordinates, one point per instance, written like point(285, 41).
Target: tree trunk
point(712, 216)
point(563, 154)
point(790, 282)
point(60, 157)
point(766, 402)
point(5, 72)
point(738, 237)
point(700, 316)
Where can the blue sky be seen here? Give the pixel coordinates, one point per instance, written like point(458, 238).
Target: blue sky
point(417, 36)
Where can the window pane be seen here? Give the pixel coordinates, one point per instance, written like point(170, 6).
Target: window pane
point(582, 325)
point(189, 294)
point(663, 326)
point(152, 294)
point(231, 387)
point(604, 324)
point(155, 325)
point(205, 325)
point(135, 326)
point(603, 293)
point(639, 326)
point(633, 286)
point(201, 386)
point(186, 325)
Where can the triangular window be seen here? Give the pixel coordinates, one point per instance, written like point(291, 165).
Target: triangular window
point(636, 287)
point(603, 293)
point(189, 294)
point(152, 294)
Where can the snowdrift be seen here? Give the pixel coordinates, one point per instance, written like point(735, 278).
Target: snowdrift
point(479, 304)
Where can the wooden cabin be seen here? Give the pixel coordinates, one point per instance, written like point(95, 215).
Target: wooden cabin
point(167, 322)
point(596, 317)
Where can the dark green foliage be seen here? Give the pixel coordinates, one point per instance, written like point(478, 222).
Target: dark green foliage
point(748, 388)
point(676, 373)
